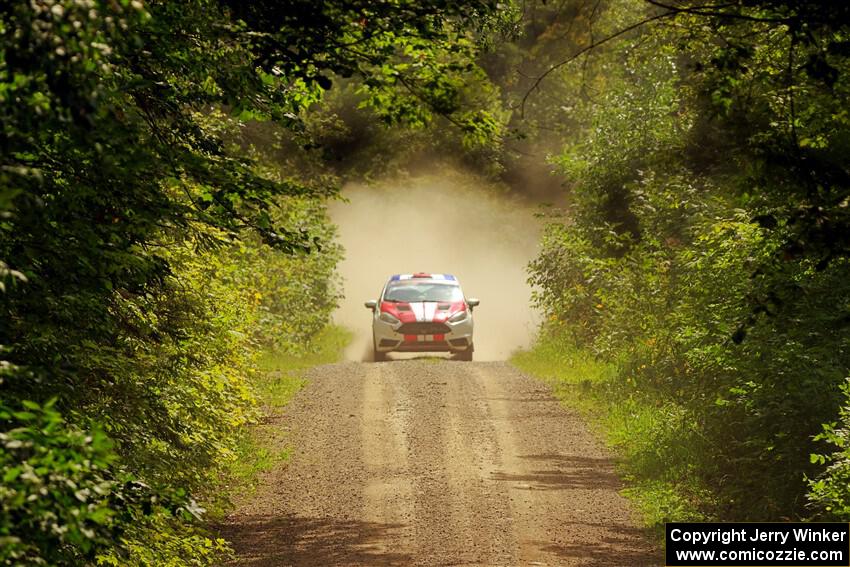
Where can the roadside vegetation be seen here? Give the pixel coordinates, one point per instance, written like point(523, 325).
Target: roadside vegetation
point(649, 437)
point(696, 290)
point(162, 225)
point(260, 446)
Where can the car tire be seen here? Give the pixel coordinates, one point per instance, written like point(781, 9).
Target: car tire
point(466, 355)
point(377, 356)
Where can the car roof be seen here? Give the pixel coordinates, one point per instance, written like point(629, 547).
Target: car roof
point(423, 276)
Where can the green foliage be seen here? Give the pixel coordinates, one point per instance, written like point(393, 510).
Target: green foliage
point(57, 487)
point(293, 295)
point(353, 137)
point(65, 499)
point(149, 248)
point(705, 253)
point(828, 492)
point(163, 539)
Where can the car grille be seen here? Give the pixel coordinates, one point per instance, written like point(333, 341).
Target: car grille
point(423, 329)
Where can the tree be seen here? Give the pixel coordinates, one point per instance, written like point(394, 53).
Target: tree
point(116, 177)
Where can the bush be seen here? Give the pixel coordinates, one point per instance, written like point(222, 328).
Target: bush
point(179, 391)
point(148, 250)
point(57, 488)
point(707, 263)
point(828, 493)
point(65, 500)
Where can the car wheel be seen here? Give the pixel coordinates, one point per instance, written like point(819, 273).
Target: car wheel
point(377, 355)
point(466, 355)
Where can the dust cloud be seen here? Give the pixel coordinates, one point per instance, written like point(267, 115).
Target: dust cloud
point(443, 223)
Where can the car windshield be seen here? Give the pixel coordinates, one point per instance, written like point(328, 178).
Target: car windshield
point(408, 291)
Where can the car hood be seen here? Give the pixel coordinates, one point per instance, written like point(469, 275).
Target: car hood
point(422, 311)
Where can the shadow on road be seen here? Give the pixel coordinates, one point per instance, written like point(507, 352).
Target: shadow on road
point(312, 542)
point(624, 545)
point(564, 472)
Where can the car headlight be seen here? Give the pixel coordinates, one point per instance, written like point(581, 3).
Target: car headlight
point(457, 317)
point(387, 318)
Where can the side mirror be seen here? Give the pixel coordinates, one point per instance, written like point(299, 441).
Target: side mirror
point(371, 304)
point(472, 302)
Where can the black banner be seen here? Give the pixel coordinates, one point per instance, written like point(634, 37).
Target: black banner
point(758, 545)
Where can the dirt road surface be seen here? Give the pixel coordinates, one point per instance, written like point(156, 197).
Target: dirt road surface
point(436, 462)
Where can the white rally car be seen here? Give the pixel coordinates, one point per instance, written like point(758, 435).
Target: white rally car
point(422, 313)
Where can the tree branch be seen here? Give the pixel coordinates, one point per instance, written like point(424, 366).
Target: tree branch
point(707, 11)
point(584, 50)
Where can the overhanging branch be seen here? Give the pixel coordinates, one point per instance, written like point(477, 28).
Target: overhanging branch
point(708, 10)
point(582, 51)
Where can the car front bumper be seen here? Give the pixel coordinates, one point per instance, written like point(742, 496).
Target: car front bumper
point(392, 338)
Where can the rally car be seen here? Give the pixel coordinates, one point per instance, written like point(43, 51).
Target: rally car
point(422, 312)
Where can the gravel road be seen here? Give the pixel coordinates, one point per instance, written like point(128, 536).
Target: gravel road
point(436, 462)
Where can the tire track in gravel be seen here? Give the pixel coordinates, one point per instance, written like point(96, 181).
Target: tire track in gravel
point(436, 462)
point(564, 491)
point(456, 452)
point(388, 494)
